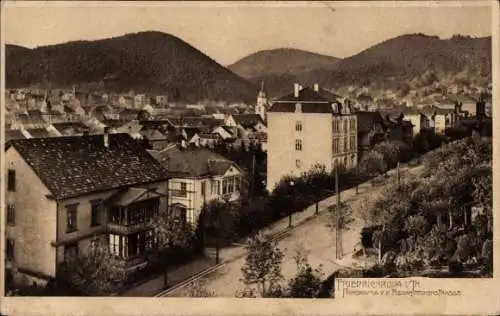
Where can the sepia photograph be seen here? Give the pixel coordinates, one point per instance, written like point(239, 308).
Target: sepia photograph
point(246, 150)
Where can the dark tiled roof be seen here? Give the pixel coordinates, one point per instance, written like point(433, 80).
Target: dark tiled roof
point(13, 134)
point(247, 120)
point(310, 100)
point(130, 195)
point(78, 165)
point(366, 120)
point(78, 127)
point(152, 134)
point(193, 162)
point(38, 132)
point(114, 123)
point(208, 136)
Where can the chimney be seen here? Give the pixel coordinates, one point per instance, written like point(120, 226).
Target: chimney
point(296, 89)
point(106, 137)
point(316, 87)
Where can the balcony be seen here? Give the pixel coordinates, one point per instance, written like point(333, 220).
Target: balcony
point(121, 229)
point(178, 193)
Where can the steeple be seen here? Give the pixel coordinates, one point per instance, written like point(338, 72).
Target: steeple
point(261, 106)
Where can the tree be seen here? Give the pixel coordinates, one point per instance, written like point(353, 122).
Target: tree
point(262, 265)
point(390, 152)
point(171, 232)
point(307, 282)
point(218, 222)
point(95, 272)
point(372, 164)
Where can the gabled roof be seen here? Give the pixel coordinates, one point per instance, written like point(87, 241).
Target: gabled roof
point(193, 162)
point(367, 119)
point(152, 134)
point(76, 126)
point(38, 132)
point(114, 123)
point(78, 165)
point(130, 195)
point(13, 134)
point(129, 112)
point(311, 101)
point(247, 120)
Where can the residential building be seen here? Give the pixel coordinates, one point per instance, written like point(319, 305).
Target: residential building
point(155, 138)
point(161, 100)
point(198, 176)
point(371, 131)
point(141, 100)
point(66, 193)
point(309, 127)
point(126, 101)
point(247, 123)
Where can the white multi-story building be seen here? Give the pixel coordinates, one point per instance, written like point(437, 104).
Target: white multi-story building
point(307, 128)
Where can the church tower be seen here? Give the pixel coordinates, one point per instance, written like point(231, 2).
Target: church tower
point(262, 103)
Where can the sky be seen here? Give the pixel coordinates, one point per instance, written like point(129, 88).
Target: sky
point(228, 32)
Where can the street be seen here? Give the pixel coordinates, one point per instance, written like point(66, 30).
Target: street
point(314, 236)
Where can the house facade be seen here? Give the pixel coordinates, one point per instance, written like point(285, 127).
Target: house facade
point(306, 128)
point(371, 130)
point(62, 197)
point(198, 176)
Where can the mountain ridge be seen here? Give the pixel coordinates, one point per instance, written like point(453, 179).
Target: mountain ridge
point(145, 62)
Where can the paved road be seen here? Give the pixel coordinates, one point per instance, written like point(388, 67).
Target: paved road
point(313, 234)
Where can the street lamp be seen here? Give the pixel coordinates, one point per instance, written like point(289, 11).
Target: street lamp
point(290, 213)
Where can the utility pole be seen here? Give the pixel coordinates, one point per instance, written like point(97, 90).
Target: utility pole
point(338, 229)
point(398, 174)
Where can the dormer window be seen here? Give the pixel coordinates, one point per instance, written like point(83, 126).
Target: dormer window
point(298, 107)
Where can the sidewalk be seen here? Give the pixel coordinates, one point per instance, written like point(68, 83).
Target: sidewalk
point(174, 276)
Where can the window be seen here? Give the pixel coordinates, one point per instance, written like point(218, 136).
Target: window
point(11, 215)
point(11, 183)
point(114, 244)
point(70, 252)
point(218, 187)
point(213, 187)
point(148, 240)
point(71, 223)
point(352, 143)
point(346, 126)
point(179, 213)
point(237, 183)
point(203, 188)
point(345, 143)
point(298, 126)
point(336, 145)
point(10, 253)
point(95, 219)
point(298, 163)
point(298, 144)
point(224, 186)
point(183, 191)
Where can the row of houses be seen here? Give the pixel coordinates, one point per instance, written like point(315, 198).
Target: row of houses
point(66, 193)
point(61, 96)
